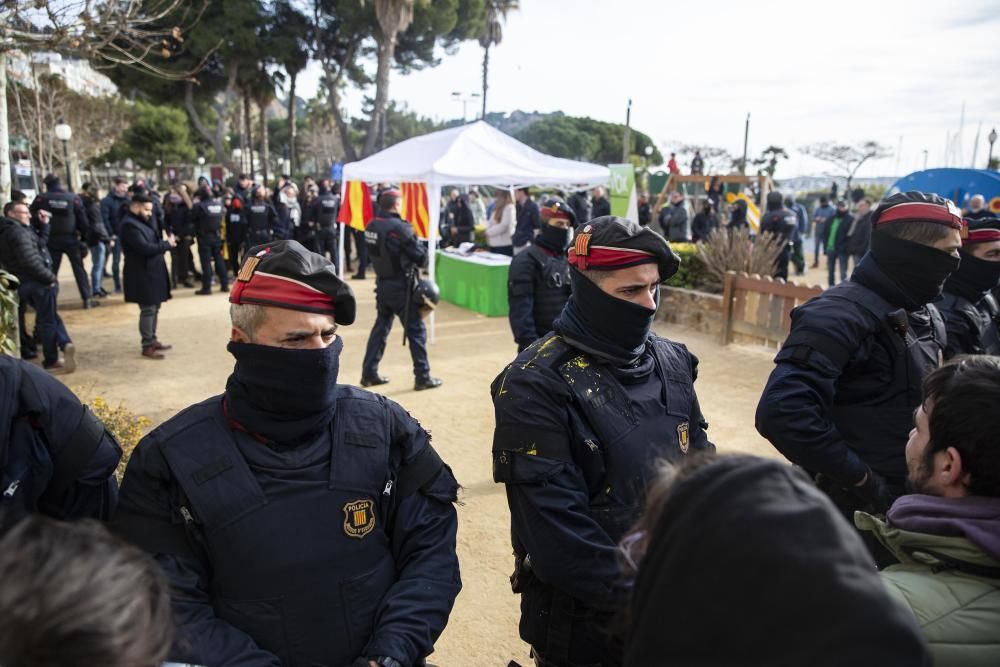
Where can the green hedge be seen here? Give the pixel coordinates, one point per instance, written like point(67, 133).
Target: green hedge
point(691, 274)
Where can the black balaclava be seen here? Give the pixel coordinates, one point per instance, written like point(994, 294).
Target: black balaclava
point(603, 325)
point(286, 396)
point(975, 278)
point(918, 270)
point(553, 238)
point(750, 564)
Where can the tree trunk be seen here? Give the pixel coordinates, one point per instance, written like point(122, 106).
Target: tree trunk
point(42, 162)
point(292, 124)
point(265, 152)
point(486, 69)
point(4, 132)
point(248, 116)
point(386, 48)
point(217, 138)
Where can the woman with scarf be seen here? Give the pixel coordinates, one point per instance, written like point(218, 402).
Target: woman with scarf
point(840, 401)
point(582, 415)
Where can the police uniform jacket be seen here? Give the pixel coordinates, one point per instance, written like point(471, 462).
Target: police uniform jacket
point(576, 442)
point(841, 397)
point(298, 556)
point(393, 247)
point(781, 223)
point(68, 217)
point(538, 286)
point(144, 277)
point(55, 456)
point(206, 218)
point(973, 327)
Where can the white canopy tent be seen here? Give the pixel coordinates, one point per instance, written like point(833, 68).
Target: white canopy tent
point(472, 154)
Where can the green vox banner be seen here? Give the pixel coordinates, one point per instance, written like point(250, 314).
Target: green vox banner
point(622, 192)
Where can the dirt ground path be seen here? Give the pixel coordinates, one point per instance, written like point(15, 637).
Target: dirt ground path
point(469, 352)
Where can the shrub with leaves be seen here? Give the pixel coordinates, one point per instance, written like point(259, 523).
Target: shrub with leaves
point(691, 273)
point(734, 250)
point(10, 342)
point(127, 427)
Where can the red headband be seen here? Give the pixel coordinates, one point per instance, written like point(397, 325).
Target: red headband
point(584, 256)
point(268, 289)
point(923, 212)
point(982, 236)
point(555, 212)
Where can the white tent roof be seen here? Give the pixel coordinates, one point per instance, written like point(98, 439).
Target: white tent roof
point(473, 154)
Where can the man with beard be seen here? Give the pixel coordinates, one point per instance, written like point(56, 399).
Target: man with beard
point(538, 283)
point(145, 275)
point(582, 418)
point(840, 401)
point(945, 533)
point(301, 522)
point(970, 311)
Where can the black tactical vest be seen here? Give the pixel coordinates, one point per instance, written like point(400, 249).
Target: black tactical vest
point(257, 217)
point(983, 318)
point(210, 220)
point(327, 209)
point(552, 288)
point(875, 399)
point(301, 573)
point(386, 263)
point(60, 205)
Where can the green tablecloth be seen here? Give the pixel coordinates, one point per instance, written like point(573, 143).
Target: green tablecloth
point(476, 283)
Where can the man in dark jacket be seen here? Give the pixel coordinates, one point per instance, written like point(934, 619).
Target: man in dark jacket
point(528, 220)
point(581, 206)
point(322, 216)
point(835, 241)
point(780, 223)
point(970, 311)
point(673, 220)
point(97, 238)
point(24, 254)
point(645, 210)
point(396, 256)
point(821, 216)
point(113, 208)
point(67, 232)
point(859, 234)
point(582, 418)
point(206, 217)
point(600, 206)
point(301, 521)
point(145, 276)
point(705, 222)
point(538, 282)
point(56, 458)
point(840, 400)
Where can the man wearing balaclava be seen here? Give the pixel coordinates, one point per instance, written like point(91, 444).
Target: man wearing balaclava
point(301, 522)
point(583, 416)
point(970, 311)
point(840, 400)
point(538, 283)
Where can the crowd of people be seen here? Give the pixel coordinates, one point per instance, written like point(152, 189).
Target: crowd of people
point(635, 542)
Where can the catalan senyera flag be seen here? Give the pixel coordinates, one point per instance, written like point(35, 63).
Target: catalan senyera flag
point(356, 205)
point(414, 207)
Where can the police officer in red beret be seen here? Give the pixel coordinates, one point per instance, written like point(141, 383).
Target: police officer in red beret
point(583, 415)
point(301, 522)
point(840, 400)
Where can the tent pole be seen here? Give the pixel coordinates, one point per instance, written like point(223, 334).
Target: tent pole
point(434, 215)
point(340, 250)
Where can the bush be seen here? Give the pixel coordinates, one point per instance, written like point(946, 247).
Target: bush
point(127, 427)
point(727, 250)
point(691, 273)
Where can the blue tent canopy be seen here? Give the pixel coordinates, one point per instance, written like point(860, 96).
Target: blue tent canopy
point(957, 185)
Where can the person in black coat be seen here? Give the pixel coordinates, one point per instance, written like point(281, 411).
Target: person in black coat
point(177, 212)
point(97, 238)
point(782, 224)
point(859, 234)
point(600, 206)
point(463, 226)
point(705, 221)
point(67, 232)
point(23, 253)
point(146, 280)
point(528, 220)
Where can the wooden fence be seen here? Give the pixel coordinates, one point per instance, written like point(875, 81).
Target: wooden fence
point(761, 308)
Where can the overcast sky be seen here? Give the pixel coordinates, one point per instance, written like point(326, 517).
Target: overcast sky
point(806, 71)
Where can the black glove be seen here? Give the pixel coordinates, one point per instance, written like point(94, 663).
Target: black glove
point(875, 493)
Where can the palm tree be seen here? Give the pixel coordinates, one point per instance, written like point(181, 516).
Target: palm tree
point(496, 14)
point(394, 17)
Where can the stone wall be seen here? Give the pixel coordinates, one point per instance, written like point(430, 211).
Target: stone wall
point(700, 311)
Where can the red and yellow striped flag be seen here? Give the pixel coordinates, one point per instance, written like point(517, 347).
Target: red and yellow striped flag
point(414, 207)
point(356, 205)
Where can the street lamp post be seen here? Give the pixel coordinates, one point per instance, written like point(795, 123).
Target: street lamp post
point(64, 133)
point(465, 99)
point(993, 138)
